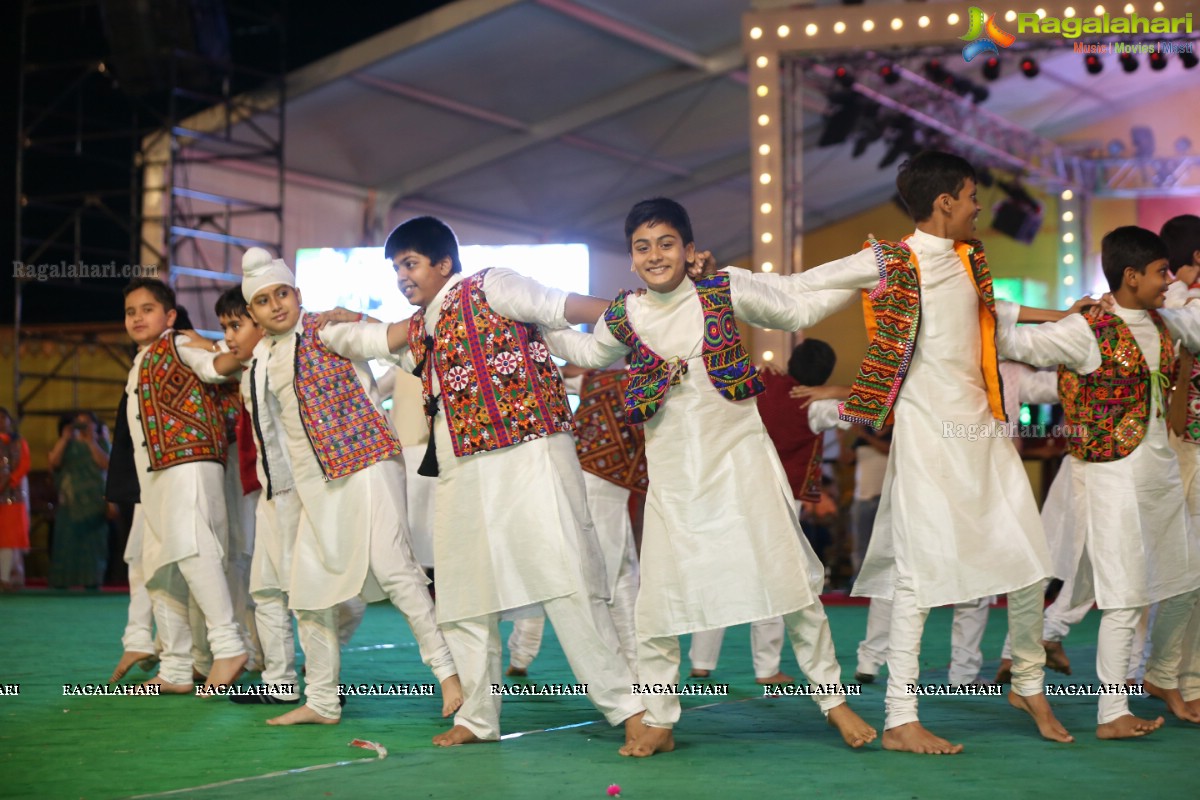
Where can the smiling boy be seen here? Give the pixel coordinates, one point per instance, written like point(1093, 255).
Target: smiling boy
point(721, 542)
point(1133, 543)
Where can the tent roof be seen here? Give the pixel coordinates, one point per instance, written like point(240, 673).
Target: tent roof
point(552, 117)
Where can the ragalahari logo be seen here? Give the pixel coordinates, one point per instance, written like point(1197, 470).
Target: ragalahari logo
point(984, 35)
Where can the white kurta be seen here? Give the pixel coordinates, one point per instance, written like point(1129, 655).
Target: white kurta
point(1132, 543)
point(957, 513)
point(408, 419)
point(276, 519)
point(511, 526)
point(721, 544)
point(182, 502)
point(331, 559)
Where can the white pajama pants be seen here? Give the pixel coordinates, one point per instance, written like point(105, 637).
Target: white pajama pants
point(904, 648)
point(1189, 669)
point(200, 576)
point(766, 647)
point(1168, 639)
point(966, 639)
point(808, 630)
point(274, 624)
point(585, 630)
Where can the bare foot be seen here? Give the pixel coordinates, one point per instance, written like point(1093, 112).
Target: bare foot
point(1056, 657)
point(1036, 706)
point(516, 672)
point(1127, 727)
point(169, 688)
point(654, 740)
point(634, 727)
point(699, 673)
point(1194, 705)
point(778, 677)
point(912, 737)
point(128, 659)
point(225, 671)
point(452, 695)
point(853, 728)
point(303, 716)
point(1174, 701)
point(459, 734)
point(1004, 673)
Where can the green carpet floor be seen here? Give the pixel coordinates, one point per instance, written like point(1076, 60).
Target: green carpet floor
point(738, 747)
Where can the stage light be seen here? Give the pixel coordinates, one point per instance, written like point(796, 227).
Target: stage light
point(756, 33)
point(1093, 64)
point(1128, 62)
point(810, 29)
point(1010, 16)
point(1067, 194)
point(765, 178)
point(1069, 280)
point(1188, 60)
point(766, 237)
point(902, 138)
point(991, 68)
point(1068, 259)
point(764, 149)
point(762, 61)
point(889, 74)
point(1159, 7)
point(1067, 216)
point(979, 94)
point(843, 76)
point(1029, 67)
point(952, 19)
point(923, 22)
point(868, 25)
point(764, 120)
point(767, 266)
point(783, 31)
point(1068, 12)
point(765, 208)
point(839, 27)
point(1158, 61)
point(844, 110)
point(897, 24)
point(761, 91)
point(768, 355)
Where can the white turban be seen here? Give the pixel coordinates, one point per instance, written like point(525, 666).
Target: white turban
point(260, 271)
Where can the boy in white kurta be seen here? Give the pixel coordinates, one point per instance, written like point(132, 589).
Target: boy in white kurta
point(1181, 235)
point(721, 543)
point(511, 528)
point(957, 518)
point(179, 447)
point(345, 462)
point(1134, 546)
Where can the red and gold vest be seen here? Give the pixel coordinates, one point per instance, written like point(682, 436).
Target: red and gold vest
point(347, 432)
point(725, 358)
point(182, 417)
point(608, 446)
point(893, 316)
point(499, 385)
point(1109, 409)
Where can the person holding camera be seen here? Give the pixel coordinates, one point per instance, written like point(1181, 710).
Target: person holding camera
point(79, 460)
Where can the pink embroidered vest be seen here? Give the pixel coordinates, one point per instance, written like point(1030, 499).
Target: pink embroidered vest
point(182, 417)
point(1109, 409)
point(725, 358)
point(347, 432)
point(499, 385)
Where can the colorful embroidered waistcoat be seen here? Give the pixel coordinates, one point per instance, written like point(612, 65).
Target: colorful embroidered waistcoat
point(499, 385)
point(608, 446)
point(725, 358)
point(811, 491)
point(347, 432)
point(229, 397)
point(1191, 428)
point(893, 313)
point(1109, 409)
point(182, 416)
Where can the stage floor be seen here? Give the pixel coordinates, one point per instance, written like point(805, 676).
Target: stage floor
point(744, 745)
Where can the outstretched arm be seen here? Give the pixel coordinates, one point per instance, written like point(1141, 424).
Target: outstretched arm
point(766, 306)
point(1069, 342)
point(212, 364)
point(1184, 324)
point(594, 350)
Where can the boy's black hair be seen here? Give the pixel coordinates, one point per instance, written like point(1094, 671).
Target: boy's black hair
point(1181, 235)
point(160, 291)
point(928, 175)
point(232, 303)
point(658, 210)
point(183, 320)
point(428, 236)
point(1128, 246)
point(812, 362)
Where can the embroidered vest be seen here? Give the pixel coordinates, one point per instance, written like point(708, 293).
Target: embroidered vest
point(893, 316)
point(608, 446)
point(1191, 428)
point(499, 385)
point(347, 432)
point(1109, 409)
point(811, 491)
point(725, 358)
point(182, 417)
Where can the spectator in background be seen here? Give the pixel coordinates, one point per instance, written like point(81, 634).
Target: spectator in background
point(14, 504)
point(79, 460)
